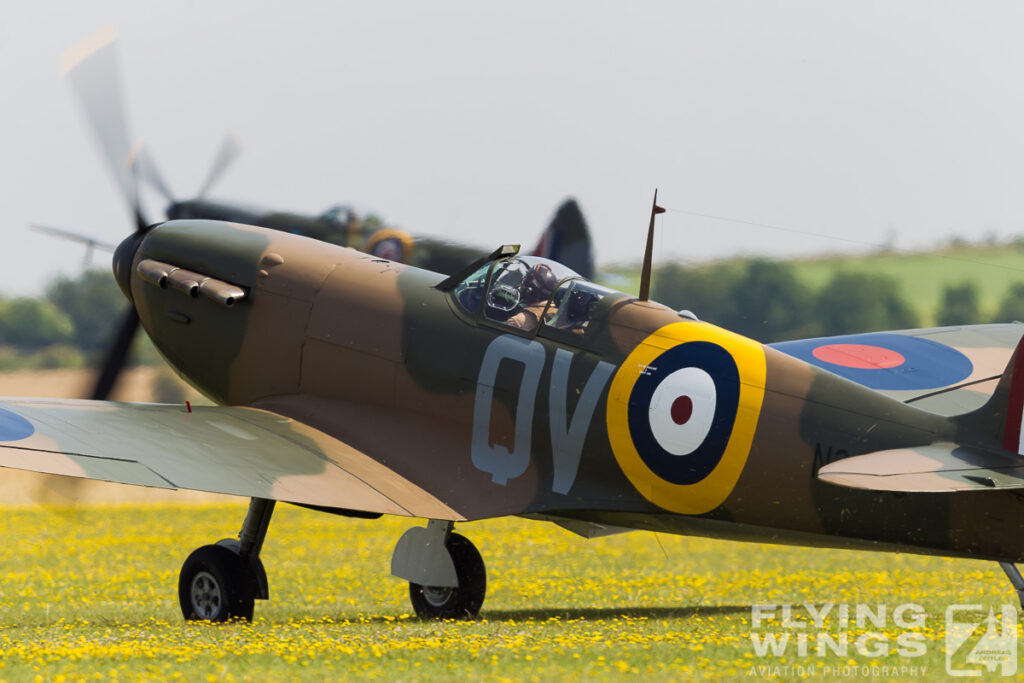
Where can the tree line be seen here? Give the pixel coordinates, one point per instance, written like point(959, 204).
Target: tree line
point(765, 300)
point(69, 326)
point(72, 323)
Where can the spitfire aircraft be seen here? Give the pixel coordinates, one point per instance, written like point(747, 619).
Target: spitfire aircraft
point(91, 69)
point(566, 238)
point(359, 386)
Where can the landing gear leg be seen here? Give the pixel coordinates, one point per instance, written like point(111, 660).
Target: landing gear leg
point(1016, 579)
point(221, 581)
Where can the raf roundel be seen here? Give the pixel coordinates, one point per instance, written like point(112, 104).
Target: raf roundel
point(393, 245)
point(682, 412)
point(885, 360)
point(682, 409)
point(14, 427)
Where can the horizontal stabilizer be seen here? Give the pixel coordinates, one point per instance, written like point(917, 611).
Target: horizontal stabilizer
point(938, 467)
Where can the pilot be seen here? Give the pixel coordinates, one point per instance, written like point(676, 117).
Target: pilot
point(578, 310)
point(533, 295)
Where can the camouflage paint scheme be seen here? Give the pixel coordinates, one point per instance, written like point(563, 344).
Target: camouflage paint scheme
point(566, 239)
point(364, 384)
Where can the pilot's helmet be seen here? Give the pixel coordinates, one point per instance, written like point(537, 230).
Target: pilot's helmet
point(539, 283)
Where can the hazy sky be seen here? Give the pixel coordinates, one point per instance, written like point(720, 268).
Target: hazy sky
point(473, 120)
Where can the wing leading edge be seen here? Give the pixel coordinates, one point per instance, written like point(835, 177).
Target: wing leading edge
point(236, 451)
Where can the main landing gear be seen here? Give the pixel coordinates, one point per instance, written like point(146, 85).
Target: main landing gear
point(1016, 579)
point(460, 602)
point(222, 581)
point(446, 575)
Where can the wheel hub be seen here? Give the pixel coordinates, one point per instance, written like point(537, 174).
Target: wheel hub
point(206, 595)
point(437, 596)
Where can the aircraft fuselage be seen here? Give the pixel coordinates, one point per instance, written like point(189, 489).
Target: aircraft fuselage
point(646, 420)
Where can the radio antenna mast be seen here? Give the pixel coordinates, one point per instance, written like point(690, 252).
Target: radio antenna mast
point(645, 274)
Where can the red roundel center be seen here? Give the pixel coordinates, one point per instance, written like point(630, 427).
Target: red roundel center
point(682, 409)
point(862, 356)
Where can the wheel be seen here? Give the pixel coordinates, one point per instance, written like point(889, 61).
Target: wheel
point(214, 585)
point(464, 602)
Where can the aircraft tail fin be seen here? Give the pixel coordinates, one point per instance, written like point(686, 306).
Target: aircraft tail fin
point(997, 424)
point(567, 240)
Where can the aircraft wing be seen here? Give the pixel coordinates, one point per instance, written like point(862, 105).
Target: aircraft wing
point(945, 370)
point(937, 467)
point(237, 451)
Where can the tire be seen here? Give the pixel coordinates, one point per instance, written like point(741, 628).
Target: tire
point(257, 575)
point(464, 602)
point(214, 586)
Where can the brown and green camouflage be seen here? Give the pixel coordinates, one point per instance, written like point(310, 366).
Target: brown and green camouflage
point(378, 356)
point(358, 385)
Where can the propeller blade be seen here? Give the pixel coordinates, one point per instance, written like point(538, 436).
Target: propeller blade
point(146, 169)
point(229, 151)
point(91, 68)
point(88, 241)
point(117, 356)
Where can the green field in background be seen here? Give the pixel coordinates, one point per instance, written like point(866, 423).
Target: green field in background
point(921, 276)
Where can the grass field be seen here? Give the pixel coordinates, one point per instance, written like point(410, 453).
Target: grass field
point(921, 277)
point(90, 593)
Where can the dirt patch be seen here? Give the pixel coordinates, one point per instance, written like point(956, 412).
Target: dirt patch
point(134, 385)
point(22, 488)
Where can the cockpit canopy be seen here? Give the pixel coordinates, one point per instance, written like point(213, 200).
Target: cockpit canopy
point(525, 291)
point(338, 213)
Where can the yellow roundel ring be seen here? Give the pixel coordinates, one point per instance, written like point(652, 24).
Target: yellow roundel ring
point(394, 245)
point(682, 411)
